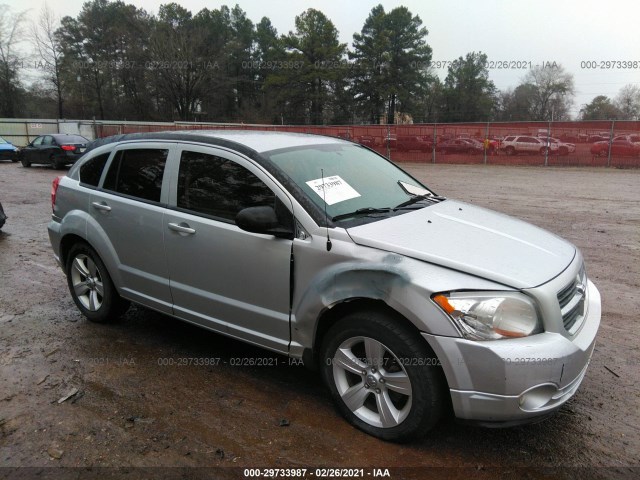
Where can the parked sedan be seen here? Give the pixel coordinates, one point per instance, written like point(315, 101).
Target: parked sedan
point(411, 142)
point(8, 151)
point(459, 145)
point(3, 217)
point(366, 140)
point(57, 150)
point(620, 148)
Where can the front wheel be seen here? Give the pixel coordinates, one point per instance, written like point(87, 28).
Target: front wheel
point(510, 151)
point(91, 287)
point(384, 378)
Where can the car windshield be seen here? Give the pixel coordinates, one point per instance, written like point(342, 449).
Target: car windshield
point(349, 177)
point(2, 141)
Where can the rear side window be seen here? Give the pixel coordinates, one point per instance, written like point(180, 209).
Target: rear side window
point(218, 187)
point(137, 173)
point(91, 170)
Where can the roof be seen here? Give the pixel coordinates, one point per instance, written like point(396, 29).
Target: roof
point(257, 141)
point(264, 141)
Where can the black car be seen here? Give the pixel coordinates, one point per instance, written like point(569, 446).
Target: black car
point(57, 150)
point(3, 217)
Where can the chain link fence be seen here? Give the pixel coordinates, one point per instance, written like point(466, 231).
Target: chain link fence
point(592, 143)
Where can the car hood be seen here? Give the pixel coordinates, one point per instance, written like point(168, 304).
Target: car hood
point(6, 146)
point(473, 240)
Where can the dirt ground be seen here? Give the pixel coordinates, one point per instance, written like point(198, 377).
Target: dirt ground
point(132, 410)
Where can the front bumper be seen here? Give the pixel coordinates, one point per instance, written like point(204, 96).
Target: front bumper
point(521, 379)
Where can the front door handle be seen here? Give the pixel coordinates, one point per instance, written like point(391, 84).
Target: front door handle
point(101, 206)
point(182, 228)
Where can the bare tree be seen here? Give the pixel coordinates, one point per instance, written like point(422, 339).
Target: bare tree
point(628, 101)
point(49, 50)
point(553, 92)
point(11, 30)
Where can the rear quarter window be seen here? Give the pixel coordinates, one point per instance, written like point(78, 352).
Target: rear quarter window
point(91, 170)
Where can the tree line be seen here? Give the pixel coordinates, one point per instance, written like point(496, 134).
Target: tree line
point(116, 61)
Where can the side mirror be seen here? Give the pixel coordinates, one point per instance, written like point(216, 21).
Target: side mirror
point(262, 220)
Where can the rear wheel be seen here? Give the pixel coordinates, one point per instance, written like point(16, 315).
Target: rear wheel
point(384, 378)
point(91, 287)
point(544, 151)
point(56, 162)
point(603, 153)
point(510, 150)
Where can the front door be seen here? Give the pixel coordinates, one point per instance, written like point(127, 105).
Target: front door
point(222, 277)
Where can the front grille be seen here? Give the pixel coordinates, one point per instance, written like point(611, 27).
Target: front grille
point(572, 302)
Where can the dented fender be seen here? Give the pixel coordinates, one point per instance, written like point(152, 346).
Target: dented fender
point(349, 271)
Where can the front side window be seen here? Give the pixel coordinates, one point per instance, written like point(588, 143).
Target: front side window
point(218, 187)
point(137, 173)
point(37, 142)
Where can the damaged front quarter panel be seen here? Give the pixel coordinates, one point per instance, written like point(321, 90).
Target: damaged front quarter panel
point(351, 272)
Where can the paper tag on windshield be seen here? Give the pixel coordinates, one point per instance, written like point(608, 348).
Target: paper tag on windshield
point(335, 189)
point(413, 189)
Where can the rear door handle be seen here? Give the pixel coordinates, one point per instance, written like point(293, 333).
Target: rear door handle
point(184, 228)
point(101, 206)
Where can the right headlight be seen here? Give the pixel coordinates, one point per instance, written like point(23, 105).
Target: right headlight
point(491, 315)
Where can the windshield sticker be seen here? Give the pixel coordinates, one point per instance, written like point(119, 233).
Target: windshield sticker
point(335, 189)
point(413, 189)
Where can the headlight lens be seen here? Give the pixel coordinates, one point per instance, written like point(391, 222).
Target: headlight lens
point(491, 315)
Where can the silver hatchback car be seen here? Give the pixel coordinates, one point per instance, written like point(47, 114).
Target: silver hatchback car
point(323, 250)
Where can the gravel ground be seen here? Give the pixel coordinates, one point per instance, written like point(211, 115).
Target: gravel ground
point(130, 411)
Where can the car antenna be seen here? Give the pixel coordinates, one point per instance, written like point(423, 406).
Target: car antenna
point(326, 217)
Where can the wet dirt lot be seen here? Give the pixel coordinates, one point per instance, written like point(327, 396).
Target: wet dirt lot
point(156, 392)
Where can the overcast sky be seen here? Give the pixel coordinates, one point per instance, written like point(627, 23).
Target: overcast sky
point(568, 32)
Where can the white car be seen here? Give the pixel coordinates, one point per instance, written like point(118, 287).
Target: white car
point(515, 144)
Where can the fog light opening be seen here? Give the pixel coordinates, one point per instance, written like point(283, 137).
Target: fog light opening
point(537, 397)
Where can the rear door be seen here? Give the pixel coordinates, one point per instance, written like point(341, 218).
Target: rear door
point(222, 277)
point(129, 208)
point(48, 149)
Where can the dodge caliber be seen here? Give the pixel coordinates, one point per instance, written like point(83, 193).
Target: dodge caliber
point(409, 304)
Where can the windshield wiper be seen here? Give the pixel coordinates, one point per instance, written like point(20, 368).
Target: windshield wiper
point(360, 211)
point(418, 198)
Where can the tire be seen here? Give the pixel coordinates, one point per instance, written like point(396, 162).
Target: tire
point(366, 352)
point(544, 151)
point(25, 163)
point(56, 162)
point(603, 153)
point(91, 287)
point(510, 151)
